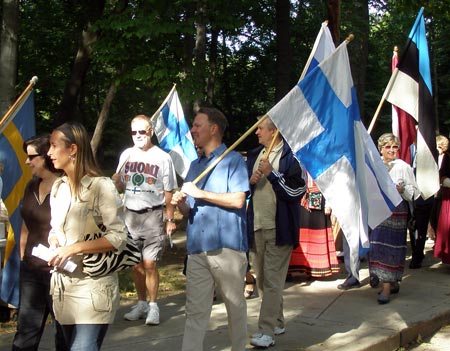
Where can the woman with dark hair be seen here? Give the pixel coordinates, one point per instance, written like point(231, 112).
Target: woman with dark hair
point(35, 300)
point(83, 305)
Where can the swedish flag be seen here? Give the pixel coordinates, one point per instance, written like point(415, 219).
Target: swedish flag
point(15, 176)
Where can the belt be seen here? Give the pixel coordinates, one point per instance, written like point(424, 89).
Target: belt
point(145, 210)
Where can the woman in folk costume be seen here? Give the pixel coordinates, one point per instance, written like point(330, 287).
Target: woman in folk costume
point(440, 219)
point(316, 253)
point(387, 251)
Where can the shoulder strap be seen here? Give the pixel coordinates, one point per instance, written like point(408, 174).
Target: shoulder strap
point(93, 202)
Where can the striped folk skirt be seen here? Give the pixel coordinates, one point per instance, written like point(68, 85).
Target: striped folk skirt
point(387, 251)
point(316, 253)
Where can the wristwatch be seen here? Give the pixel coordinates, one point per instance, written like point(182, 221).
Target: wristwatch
point(171, 220)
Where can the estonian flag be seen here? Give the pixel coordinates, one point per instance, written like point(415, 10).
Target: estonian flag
point(410, 89)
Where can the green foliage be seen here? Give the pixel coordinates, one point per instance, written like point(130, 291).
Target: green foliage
point(147, 45)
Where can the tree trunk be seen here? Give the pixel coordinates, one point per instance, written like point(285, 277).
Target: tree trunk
point(334, 19)
point(284, 53)
point(225, 81)
point(8, 53)
point(212, 67)
point(69, 105)
point(103, 116)
point(200, 56)
point(358, 15)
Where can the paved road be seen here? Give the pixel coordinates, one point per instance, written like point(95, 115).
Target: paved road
point(318, 315)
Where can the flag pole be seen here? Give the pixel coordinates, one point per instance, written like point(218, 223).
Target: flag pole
point(231, 148)
point(245, 135)
point(383, 99)
point(19, 100)
point(324, 24)
point(163, 103)
point(272, 143)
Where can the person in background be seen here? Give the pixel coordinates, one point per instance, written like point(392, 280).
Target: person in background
point(1, 180)
point(316, 254)
point(277, 186)
point(4, 218)
point(84, 306)
point(418, 230)
point(147, 177)
point(440, 221)
point(35, 302)
point(216, 233)
point(387, 251)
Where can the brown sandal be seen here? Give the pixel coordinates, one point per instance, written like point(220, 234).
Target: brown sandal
point(248, 293)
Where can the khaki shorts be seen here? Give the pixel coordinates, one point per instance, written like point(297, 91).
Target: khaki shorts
point(148, 230)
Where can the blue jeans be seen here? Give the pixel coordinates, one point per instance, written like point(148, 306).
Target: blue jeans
point(35, 306)
point(84, 337)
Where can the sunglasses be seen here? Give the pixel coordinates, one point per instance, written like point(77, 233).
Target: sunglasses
point(389, 147)
point(32, 157)
point(141, 132)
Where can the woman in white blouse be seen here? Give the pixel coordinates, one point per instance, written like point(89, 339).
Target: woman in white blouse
point(388, 240)
point(84, 306)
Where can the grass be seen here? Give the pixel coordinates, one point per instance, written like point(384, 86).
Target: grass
point(171, 278)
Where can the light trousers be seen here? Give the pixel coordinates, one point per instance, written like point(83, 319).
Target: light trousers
point(271, 263)
point(223, 270)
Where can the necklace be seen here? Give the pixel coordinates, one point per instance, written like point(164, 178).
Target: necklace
point(38, 199)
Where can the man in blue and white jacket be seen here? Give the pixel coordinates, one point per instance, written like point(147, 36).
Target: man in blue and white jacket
point(276, 185)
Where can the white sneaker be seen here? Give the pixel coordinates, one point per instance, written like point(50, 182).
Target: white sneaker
point(276, 331)
point(279, 330)
point(137, 312)
point(256, 335)
point(263, 341)
point(153, 315)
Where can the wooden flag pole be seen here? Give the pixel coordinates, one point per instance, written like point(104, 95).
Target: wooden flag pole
point(272, 143)
point(163, 103)
point(375, 116)
point(245, 135)
point(231, 148)
point(19, 100)
point(383, 98)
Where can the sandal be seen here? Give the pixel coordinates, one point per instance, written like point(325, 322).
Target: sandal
point(248, 293)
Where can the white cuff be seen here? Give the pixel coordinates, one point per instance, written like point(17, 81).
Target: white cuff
point(446, 183)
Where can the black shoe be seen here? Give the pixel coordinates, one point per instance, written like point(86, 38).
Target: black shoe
point(382, 300)
point(348, 286)
point(374, 281)
point(415, 265)
point(395, 288)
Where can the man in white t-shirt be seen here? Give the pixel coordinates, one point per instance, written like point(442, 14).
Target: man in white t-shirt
point(147, 177)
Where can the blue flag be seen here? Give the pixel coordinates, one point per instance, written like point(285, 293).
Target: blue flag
point(15, 177)
point(174, 135)
point(319, 118)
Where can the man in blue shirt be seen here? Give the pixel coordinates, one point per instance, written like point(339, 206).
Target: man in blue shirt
point(216, 233)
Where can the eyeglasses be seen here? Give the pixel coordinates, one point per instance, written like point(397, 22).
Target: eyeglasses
point(31, 157)
point(141, 132)
point(389, 147)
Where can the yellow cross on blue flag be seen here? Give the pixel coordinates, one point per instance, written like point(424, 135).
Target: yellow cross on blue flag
point(16, 174)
